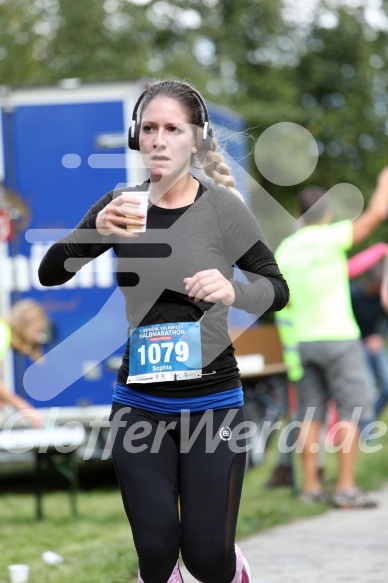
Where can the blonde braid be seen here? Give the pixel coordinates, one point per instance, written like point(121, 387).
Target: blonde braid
point(214, 166)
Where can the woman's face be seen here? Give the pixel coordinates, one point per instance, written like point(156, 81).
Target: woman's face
point(166, 138)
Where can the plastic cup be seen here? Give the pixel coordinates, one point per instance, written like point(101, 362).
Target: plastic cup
point(143, 197)
point(18, 573)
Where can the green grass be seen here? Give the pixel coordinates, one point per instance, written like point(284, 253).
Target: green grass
point(97, 545)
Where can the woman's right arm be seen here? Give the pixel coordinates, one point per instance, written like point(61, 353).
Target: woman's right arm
point(93, 236)
point(84, 243)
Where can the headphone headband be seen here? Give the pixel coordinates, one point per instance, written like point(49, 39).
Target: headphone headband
point(207, 132)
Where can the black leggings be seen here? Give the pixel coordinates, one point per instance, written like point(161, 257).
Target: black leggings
point(198, 457)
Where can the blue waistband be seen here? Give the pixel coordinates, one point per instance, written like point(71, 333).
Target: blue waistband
point(224, 400)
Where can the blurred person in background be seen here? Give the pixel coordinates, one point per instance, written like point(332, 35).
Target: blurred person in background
point(373, 323)
point(370, 317)
point(23, 330)
point(384, 285)
point(314, 262)
point(282, 474)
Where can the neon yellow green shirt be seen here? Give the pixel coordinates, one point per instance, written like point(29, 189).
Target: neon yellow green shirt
point(286, 329)
point(5, 338)
point(314, 264)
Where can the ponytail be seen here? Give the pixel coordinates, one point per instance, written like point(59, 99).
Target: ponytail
point(214, 166)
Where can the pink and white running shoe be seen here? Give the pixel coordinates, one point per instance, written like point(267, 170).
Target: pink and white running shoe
point(246, 576)
point(175, 577)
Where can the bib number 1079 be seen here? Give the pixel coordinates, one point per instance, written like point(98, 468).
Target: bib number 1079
point(163, 352)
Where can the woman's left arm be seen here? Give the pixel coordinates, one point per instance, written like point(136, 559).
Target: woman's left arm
point(267, 289)
point(244, 244)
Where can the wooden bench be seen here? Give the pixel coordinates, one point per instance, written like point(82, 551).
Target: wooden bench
point(53, 448)
point(263, 339)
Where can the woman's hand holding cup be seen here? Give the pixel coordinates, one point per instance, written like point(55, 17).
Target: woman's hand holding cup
point(127, 210)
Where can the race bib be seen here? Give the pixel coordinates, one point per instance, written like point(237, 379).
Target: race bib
point(165, 352)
